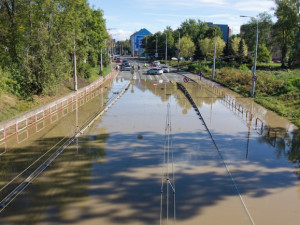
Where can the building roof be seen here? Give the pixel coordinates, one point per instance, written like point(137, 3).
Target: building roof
point(143, 32)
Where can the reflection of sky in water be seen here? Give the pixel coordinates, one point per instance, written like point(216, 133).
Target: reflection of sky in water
point(120, 157)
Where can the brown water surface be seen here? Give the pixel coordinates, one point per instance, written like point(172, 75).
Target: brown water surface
point(112, 173)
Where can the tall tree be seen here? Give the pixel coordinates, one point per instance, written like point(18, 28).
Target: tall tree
point(263, 54)
point(287, 13)
point(187, 47)
point(207, 47)
point(248, 31)
point(242, 52)
point(37, 40)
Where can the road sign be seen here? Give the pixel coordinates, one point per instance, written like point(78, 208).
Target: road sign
point(156, 55)
point(254, 78)
point(186, 79)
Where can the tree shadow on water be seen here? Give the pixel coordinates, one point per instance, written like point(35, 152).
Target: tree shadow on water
point(105, 175)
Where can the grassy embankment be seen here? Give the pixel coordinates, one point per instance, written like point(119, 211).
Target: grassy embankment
point(11, 105)
point(276, 89)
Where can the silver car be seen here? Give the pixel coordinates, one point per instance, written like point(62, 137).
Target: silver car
point(155, 71)
point(165, 69)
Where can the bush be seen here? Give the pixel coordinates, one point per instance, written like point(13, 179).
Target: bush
point(84, 70)
point(244, 67)
point(193, 67)
point(6, 82)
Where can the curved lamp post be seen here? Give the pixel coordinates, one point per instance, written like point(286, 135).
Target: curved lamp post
point(178, 53)
point(214, 62)
point(254, 77)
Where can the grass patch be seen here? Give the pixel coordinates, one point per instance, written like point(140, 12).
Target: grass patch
point(11, 105)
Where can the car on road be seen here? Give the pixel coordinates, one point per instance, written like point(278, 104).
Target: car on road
point(156, 63)
point(155, 71)
point(127, 67)
point(119, 60)
point(165, 69)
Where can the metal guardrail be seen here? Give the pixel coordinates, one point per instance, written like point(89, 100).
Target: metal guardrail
point(29, 119)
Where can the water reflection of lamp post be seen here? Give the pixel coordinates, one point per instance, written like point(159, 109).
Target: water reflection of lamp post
point(77, 126)
point(255, 58)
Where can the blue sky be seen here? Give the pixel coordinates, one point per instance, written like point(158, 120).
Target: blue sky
point(129, 16)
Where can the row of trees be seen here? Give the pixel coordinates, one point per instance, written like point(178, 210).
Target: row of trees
point(39, 39)
point(197, 38)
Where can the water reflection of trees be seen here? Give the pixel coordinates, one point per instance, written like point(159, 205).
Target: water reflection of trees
point(286, 144)
point(76, 176)
point(166, 90)
point(68, 179)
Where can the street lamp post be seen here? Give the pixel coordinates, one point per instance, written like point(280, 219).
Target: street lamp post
point(75, 68)
point(166, 58)
point(254, 78)
point(214, 62)
point(178, 58)
point(156, 48)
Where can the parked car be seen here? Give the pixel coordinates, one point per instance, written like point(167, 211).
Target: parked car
point(165, 69)
point(174, 59)
point(155, 71)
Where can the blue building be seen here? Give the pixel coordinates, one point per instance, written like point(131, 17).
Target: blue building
point(224, 28)
point(136, 42)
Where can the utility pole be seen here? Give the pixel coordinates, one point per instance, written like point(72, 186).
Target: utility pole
point(178, 53)
point(156, 54)
point(75, 69)
point(166, 49)
point(214, 63)
point(254, 77)
point(101, 64)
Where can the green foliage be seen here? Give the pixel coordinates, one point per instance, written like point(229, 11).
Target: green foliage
point(263, 54)
point(212, 31)
point(242, 52)
point(187, 47)
point(207, 47)
point(264, 30)
point(244, 67)
point(38, 38)
point(287, 13)
point(6, 82)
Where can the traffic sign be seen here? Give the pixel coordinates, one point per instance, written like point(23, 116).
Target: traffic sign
point(186, 79)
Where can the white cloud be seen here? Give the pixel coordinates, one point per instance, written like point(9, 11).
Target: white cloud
point(254, 6)
point(120, 35)
point(171, 4)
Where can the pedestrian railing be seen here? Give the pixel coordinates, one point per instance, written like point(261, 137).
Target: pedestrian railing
point(31, 118)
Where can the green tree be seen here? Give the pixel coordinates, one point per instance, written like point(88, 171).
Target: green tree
point(287, 13)
point(37, 40)
point(210, 32)
point(187, 47)
point(195, 30)
point(207, 47)
point(242, 52)
point(248, 31)
point(263, 54)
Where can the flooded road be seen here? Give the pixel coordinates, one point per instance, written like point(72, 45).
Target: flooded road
point(112, 174)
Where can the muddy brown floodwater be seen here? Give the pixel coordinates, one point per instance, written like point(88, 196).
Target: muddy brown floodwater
point(112, 173)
